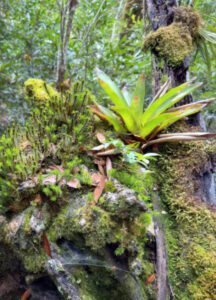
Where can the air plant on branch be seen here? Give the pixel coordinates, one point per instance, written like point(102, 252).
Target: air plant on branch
point(134, 122)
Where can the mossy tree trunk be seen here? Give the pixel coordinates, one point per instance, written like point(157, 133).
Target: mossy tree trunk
point(198, 185)
point(161, 14)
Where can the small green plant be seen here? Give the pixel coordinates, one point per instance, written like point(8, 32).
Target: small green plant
point(57, 126)
point(131, 120)
point(130, 153)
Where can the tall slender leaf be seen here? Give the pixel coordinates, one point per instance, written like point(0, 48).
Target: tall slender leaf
point(110, 88)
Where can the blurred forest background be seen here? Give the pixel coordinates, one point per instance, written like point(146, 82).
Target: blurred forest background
point(101, 36)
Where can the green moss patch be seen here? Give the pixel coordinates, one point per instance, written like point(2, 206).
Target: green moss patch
point(172, 43)
point(190, 224)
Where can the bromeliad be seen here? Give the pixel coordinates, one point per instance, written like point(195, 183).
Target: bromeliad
point(129, 116)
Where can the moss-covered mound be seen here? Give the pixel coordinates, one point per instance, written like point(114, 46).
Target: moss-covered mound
point(189, 17)
point(190, 224)
point(39, 90)
point(172, 43)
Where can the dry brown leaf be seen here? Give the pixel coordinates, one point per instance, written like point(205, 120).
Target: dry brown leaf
point(100, 161)
point(101, 138)
point(101, 170)
point(26, 295)
point(99, 189)
point(73, 183)
point(108, 166)
point(150, 279)
point(75, 170)
point(46, 245)
point(51, 179)
point(107, 152)
point(55, 167)
point(38, 199)
point(96, 177)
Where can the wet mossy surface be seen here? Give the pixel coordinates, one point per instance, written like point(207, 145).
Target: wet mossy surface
point(189, 223)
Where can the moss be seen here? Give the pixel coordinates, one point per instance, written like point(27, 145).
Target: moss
point(89, 222)
point(39, 90)
point(26, 223)
point(173, 43)
point(109, 186)
point(33, 259)
point(52, 135)
point(186, 15)
point(190, 223)
point(134, 178)
point(102, 284)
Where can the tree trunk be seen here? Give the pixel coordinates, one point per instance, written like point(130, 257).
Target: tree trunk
point(161, 14)
point(67, 12)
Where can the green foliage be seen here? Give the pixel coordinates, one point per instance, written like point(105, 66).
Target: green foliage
point(135, 178)
point(28, 48)
point(53, 133)
point(129, 115)
point(130, 153)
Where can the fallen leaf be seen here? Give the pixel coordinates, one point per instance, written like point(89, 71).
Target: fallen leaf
point(75, 170)
point(82, 148)
point(26, 295)
point(46, 245)
point(108, 166)
point(101, 138)
point(55, 167)
point(51, 179)
point(100, 162)
point(74, 183)
point(101, 170)
point(99, 189)
point(38, 199)
point(150, 279)
point(108, 152)
point(95, 177)
point(98, 148)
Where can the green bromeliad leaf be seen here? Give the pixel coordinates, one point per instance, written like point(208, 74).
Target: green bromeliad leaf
point(138, 98)
point(111, 88)
point(128, 118)
point(127, 114)
point(107, 115)
point(172, 97)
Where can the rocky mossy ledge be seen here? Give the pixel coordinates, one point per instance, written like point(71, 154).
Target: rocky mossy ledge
point(56, 241)
point(103, 249)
